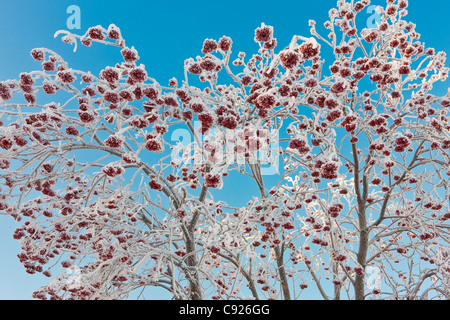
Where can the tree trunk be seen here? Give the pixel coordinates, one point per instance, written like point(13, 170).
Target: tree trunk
point(195, 291)
point(282, 273)
point(361, 197)
point(361, 257)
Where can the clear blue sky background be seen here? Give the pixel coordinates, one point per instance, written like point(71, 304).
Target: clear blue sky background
point(165, 33)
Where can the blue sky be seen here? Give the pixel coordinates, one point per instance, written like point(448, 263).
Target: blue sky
point(165, 33)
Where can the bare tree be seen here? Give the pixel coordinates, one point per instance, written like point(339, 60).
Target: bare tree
point(117, 210)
